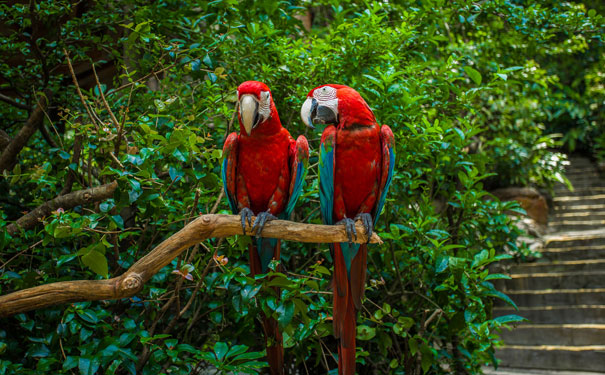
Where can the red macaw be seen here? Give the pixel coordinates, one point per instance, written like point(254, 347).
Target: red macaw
point(263, 171)
point(356, 163)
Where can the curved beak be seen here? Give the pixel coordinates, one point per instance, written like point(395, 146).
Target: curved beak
point(307, 110)
point(248, 111)
point(314, 112)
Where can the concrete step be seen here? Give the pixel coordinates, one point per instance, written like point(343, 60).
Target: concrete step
point(561, 334)
point(591, 201)
point(518, 371)
point(577, 216)
point(576, 224)
point(574, 253)
point(580, 190)
point(553, 280)
point(555, 357)
point(576, 238)
point(571, 314)
point(593, 208)
point(554, 297)
point(560, 266)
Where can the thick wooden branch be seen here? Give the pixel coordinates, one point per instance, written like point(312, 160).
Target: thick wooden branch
point(132, 281)
point(10, 152)
point(66, 202)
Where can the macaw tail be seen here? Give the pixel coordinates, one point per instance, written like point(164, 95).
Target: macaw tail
point(275, 346)
point(349, 285)
point(261, 254)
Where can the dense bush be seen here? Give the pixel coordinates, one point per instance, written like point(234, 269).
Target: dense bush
point(468, 90)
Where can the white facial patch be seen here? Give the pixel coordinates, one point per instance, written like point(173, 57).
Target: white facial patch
point(264, 105)
point(326, 96)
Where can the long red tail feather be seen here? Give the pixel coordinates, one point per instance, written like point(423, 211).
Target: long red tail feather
point(275, 347)
point(358, 275)
point(341, 291)
point(346, 349)
point(273, 337)
point(347, 295)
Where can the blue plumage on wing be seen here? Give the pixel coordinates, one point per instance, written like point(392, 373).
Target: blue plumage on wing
point(301, 172)
point(383, 196)
point(232, 202)
point(326, 183)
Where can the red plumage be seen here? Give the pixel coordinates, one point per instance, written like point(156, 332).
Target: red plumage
point(356, 145)
point(260, 173)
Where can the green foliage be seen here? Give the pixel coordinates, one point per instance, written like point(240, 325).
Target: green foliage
point(474, 94)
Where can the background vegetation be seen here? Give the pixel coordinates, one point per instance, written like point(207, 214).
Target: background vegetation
point(478, 95)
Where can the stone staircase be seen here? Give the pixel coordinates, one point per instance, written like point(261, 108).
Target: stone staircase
point(563, 293)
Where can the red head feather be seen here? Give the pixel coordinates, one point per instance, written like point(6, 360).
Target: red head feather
point(350, 107)
point(269, 121)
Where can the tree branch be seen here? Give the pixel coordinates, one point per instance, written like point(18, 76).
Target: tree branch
point(132, 281)
point(66, 201)
point(14, 103)
point(31, 125)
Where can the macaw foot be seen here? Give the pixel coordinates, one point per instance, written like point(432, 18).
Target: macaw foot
point(367, 222)
point(246, 215)
point(349, 227)
point(261, 220)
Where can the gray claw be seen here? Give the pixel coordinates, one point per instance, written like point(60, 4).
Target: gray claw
point(368, 224)
point(261, 219)
point(246, 215)
point(350, 228)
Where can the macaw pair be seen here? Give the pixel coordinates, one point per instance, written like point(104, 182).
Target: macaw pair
point(263, 171)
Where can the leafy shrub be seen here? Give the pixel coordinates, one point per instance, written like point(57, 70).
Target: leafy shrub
point(453, 79)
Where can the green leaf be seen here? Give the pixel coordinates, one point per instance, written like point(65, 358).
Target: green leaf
point(221, 348)
point(96, 261)
point(365, 332)
point(286, 312)
point(509, 319)
point(475, 75)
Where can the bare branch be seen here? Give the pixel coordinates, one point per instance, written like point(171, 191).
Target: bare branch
point(11, 151)
point(131, 282)
point(75, 159)
point(66, 202)
point(73, 77)
point(14, 103)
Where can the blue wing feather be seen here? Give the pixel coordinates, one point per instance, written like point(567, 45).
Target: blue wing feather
point(232, 202)
point(326, 182)
point(383, 194)
point(301, 172)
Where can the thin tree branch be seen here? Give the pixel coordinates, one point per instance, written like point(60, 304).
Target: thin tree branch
point(66, 201)
point(75, 159)
point(73, 77)
point(11, 151)
point(14, 103)
point(132, 281)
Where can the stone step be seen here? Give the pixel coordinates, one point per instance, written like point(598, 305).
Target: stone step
point(574, 225)
point(554, 297)
point(580, 190)
point(580, 180)
point(590, 200)
point(574, 253)
point(577, 216)
point(560, 266)
point(571, 314)
point(555, 357)
point(576, 238)
point(561, 334)
point(519, 371)
point(553, 280)
point(579, 208)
